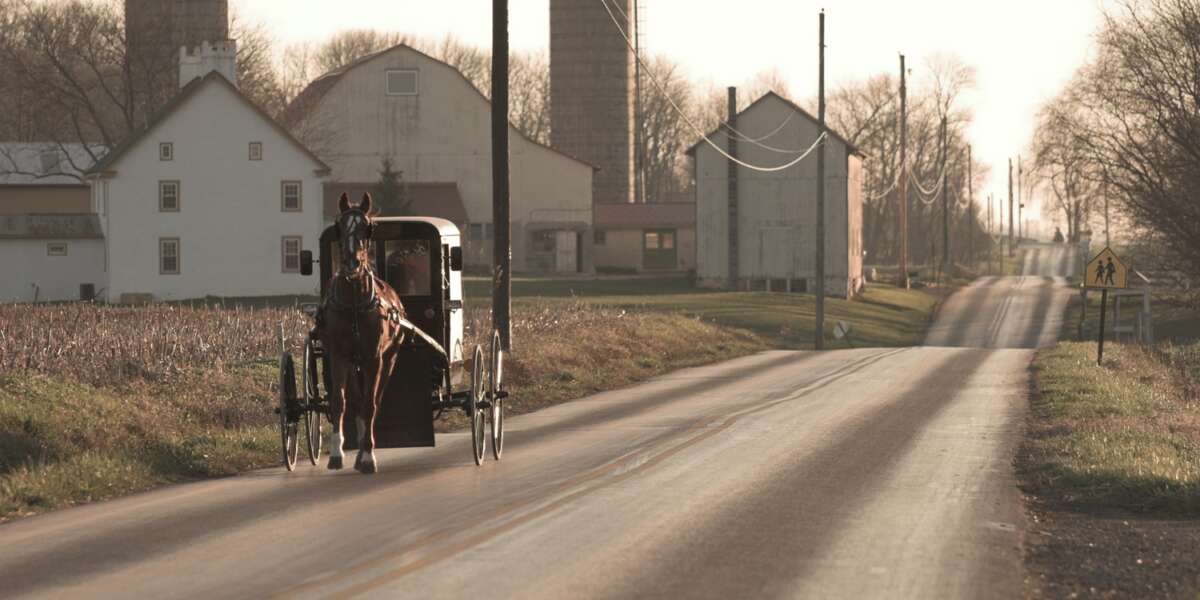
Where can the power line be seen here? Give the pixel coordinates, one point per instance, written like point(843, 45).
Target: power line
point(819, 141)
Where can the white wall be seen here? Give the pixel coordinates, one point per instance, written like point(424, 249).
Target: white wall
point(25, 262)
point(230, 224)
point(776, 211)
point(443, 134)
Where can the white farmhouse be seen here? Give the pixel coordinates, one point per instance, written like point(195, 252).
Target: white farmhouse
point(213, 197)
point(772, 243)
point(435, 127)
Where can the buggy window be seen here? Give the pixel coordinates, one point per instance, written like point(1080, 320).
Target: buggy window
point(409, 267)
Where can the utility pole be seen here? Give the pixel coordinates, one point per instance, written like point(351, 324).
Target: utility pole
point(502, 249)
point(639, 184)
point(902, 282)
point(945, 198)
point(1011, 251)
point(1020, 202)
point(731, 175)
point(819, 332)
point(970, 211)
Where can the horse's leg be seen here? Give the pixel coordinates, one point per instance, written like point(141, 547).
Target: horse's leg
point(375, 378)
point(337, 409)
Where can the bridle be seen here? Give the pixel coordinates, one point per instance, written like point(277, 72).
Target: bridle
point(356, 229)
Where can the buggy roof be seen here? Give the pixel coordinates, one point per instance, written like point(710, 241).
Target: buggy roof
point(445, 228)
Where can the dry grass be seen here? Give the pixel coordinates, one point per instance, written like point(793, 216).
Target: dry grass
point(114, 345)
point(1125, 435)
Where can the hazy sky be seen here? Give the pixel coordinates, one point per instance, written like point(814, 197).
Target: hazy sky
point(1023, 50)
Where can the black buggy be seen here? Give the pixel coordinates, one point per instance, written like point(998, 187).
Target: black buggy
point(421, 258)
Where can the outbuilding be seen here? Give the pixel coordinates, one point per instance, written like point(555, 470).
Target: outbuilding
point(51, 244)
point(645, 238)
point(771, 243)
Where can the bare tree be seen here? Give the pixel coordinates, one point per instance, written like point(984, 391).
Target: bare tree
point(348, 46)
point(1128, 123)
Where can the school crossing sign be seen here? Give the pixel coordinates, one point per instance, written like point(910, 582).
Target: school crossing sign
point(1106, 272)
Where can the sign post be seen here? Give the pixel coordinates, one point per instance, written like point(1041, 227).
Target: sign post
point(1105, 272)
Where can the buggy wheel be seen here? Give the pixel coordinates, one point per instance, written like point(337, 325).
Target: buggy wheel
point(288, 411)
point(312, 397)
point(495, 378)
point(474, 410)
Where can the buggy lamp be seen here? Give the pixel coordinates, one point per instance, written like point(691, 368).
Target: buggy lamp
point(306, 262)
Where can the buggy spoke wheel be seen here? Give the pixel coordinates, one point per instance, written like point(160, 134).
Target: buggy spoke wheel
point(495, 378)
point(288, 411)
point(312, 418)
point(474, 410)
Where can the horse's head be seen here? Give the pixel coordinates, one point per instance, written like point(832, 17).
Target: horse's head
point(354, 228)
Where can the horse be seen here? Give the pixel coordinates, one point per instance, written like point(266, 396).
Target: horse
point(361, 333)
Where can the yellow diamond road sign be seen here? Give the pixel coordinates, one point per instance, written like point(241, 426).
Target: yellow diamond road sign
point(1106, 271)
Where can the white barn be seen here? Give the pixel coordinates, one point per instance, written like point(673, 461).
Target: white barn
point(212, 198)
point(435, 126)
point(775, 229)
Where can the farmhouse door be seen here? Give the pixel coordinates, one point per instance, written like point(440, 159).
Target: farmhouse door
point(566, 250)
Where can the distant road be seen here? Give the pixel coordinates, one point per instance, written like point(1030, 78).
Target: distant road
point(848, 474)
point(1010, 312)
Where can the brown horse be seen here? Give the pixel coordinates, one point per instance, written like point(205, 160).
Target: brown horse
point(360, 331)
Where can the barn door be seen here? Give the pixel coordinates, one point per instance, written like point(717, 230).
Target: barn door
point(566, 250)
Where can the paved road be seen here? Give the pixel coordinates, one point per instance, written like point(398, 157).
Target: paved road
point(1010, 312)
point(862, 473)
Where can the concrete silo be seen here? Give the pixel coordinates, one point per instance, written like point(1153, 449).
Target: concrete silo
point(592, 91)
point(155, 30)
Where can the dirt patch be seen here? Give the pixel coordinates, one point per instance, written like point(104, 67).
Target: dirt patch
point(1073, 554)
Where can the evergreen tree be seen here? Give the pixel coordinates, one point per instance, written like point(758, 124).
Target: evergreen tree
point(389, 191)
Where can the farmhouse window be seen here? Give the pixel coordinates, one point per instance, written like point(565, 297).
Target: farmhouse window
point(56, 249)
point(599, 238)
point(168, 196)
point(255, 150)
point(168, 256)
point(291, 196)
point(402, 82)
point(291, 253)
point(166, 151)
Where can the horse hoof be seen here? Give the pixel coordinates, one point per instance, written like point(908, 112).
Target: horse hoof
point(335, 463)
point(358, 462)
point(367, 468)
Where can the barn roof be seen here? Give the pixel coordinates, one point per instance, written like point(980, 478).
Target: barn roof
point(638, 216)
point(311, 96)
point(796, 107)
point(426, 199)
point(50, 227)
point(45, 163)
point(189, 90)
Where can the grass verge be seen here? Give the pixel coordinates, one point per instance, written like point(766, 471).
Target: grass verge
point(1122, 436)
point(882, 316)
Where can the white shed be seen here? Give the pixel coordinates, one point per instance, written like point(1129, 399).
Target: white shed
point(777, 211)
point(435, 126)
point(51, 248)
point(212, 198)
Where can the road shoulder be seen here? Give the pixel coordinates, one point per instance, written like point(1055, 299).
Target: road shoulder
point(1110, 468)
